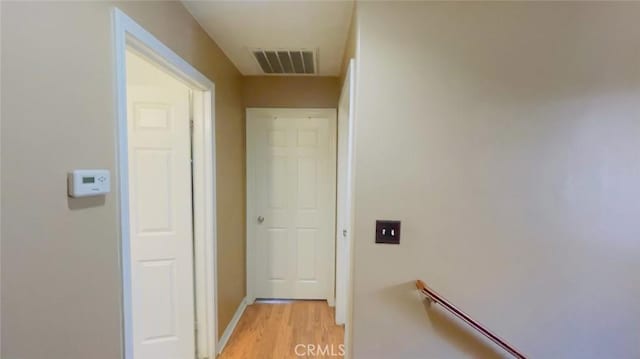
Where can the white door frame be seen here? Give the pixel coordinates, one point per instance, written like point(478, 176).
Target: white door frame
point(344, 255)
point(252, 215)
point(129, 35)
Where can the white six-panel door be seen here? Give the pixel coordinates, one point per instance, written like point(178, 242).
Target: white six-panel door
point(161, 226)
point(291, 171)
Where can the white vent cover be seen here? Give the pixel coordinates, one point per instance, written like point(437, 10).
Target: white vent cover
point(286, 61)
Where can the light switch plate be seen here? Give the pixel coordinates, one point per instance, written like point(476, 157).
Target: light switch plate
point(387, 232)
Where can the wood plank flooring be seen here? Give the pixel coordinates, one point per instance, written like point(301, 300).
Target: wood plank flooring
point(298, 329)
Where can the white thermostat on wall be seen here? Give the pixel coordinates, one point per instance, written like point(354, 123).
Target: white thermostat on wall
point(85, 183)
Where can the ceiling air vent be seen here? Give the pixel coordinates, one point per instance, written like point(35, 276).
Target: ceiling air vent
point(275, 62)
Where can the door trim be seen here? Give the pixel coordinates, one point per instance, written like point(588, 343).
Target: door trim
point(130, 35)
point(344, 257)
point(251, 193)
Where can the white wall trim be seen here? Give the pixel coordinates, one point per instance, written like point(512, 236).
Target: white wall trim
point(224, 339)
point(344, 254)
point(130, 35)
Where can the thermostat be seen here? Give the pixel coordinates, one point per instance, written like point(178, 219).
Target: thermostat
point(85, 183)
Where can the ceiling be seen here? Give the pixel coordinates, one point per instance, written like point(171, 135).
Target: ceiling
point(241, 26)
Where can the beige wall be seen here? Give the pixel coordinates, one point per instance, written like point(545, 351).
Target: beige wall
point(291, 91)
point(505, 136)
point(351, 44)
point(60, 257)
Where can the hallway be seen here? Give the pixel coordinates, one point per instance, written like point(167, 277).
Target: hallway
point(280, 330)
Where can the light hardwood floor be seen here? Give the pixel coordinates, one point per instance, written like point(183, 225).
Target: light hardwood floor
point(274, 331)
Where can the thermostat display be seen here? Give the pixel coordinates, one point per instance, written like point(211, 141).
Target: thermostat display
point(85, 183)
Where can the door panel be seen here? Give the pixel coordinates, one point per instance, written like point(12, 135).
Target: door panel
point(153, 189)
point(306, 245)
point(277, 254)
point(161, 226)
point(158, 282)
point(291, 158)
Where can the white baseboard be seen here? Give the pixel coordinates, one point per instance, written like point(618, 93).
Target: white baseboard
point(331, 301)
point(232, 325)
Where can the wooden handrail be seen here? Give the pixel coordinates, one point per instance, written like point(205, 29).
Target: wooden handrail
point(434, 297)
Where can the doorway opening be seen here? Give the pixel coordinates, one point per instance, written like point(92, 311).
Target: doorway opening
point(296, 160)
point(166, 185)
point(291, 214)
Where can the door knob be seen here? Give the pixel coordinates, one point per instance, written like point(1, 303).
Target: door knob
point(260, 219)
point(344, 232)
